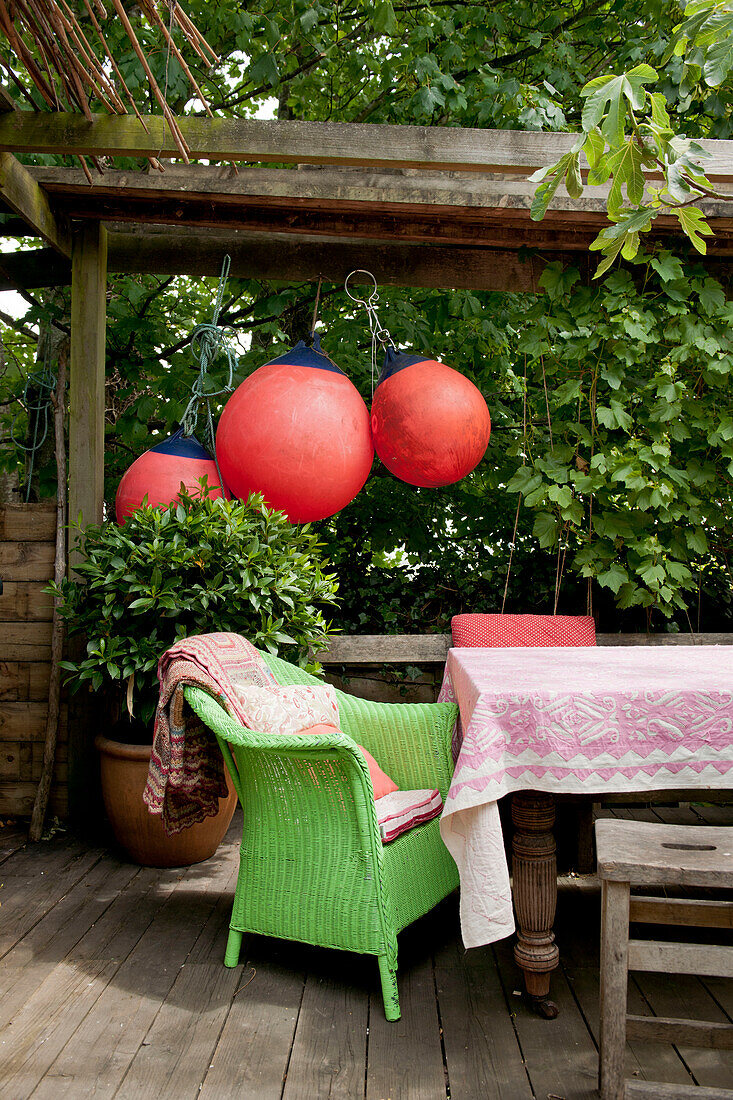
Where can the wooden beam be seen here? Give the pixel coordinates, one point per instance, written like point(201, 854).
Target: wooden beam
point(142, 250)
point(86, 469)
point(7, 103)
point(32, 269)
point(87, 363)
point(165, 250)
point(257, 140)
point(22, 194)
point(346, 203)
point(350, 188)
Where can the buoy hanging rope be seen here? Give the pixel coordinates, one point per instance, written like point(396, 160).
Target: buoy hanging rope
point(315, 307)
point(379, 333)
point(512, 544)
point(36, 401)
point(208, 340)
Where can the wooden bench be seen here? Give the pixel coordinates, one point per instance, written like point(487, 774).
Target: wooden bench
point(641, 854)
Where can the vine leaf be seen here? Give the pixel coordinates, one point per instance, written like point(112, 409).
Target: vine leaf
point(693, 222)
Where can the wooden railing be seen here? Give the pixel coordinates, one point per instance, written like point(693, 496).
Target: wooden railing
point(419, 649)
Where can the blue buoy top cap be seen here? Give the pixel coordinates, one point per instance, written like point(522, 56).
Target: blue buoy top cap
point(303, 356)
point(182, 446)
point(395, 361)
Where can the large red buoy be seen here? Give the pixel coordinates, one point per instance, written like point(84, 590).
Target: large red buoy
point(430, 424)
point(297, 431)
point(158, 474)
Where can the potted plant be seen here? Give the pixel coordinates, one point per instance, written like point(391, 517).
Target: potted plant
point(201, 565)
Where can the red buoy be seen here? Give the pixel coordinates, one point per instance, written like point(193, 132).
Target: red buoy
point(430, 424)
point(158, 474)
point(297, 431)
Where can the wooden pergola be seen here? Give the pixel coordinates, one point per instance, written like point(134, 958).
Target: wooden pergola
point(420, 206)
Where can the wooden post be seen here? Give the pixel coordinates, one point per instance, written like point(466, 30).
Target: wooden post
point(86, 389)
point(86, 471)
point(614, 982)
point(535, 894)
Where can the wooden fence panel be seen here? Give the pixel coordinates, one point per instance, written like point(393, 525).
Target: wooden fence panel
point(27, 548)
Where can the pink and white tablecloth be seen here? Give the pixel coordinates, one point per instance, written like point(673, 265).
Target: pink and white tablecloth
point(574, 721)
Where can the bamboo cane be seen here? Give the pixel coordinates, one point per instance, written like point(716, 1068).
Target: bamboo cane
point(57, 630)
point(51, 44)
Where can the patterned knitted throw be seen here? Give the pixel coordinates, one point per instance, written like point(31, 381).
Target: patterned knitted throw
point(186, 777)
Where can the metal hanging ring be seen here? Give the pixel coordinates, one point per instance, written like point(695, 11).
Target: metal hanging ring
point(373, 297)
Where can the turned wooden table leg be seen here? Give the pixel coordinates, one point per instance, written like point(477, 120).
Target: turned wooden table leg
point(534, 869)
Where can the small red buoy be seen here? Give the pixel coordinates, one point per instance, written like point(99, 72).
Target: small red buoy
point(158, 474)
point(297, 431)
point(430, 424)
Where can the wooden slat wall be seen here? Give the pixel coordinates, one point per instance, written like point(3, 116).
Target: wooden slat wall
point(27, 534)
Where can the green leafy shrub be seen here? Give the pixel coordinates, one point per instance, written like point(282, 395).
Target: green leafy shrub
point(201, 565)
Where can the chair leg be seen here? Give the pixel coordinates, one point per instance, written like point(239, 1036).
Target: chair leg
point(614, 980)
point(234, 943)
point(389, 989)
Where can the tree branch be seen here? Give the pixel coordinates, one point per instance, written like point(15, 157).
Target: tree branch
point(147, 302)
point(12, 322)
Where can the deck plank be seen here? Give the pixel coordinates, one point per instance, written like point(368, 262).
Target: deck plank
point(13, 837)
point(113, 985)
point(36, 879)
point(404, 1058)
point(482, 1050)
point(561, 1058)
point(30, 962)
point(111, 1033)
point(250, 1061)
point(47, 1025)
point(329, 1053)
point(172, 1058)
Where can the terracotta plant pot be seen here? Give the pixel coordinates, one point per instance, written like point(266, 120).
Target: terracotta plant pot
point(124, 774)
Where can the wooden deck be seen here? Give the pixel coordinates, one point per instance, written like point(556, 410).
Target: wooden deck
point(112, 984)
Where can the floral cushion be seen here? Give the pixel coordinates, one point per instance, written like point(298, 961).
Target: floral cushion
point(287, 709)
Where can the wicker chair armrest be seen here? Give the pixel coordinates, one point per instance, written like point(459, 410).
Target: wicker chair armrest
point(323, 745)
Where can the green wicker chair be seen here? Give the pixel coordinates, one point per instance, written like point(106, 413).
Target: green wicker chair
point(312, 865)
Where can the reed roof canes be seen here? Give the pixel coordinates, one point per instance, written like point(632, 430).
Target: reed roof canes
point(73, 67)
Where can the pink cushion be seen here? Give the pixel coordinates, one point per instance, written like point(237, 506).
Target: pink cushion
point(398, 812)
point(381, 782)
point(523, 630)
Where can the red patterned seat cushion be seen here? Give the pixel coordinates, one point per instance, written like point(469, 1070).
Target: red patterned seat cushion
point(523, 630)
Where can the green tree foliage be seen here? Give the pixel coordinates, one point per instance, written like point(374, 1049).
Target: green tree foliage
point(627, 131)
point(628, 485)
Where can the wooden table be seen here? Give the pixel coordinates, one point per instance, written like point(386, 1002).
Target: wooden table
point(540, 722)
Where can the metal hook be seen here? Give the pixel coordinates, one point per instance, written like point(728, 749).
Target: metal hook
point(373, 297)
point(370, 305)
